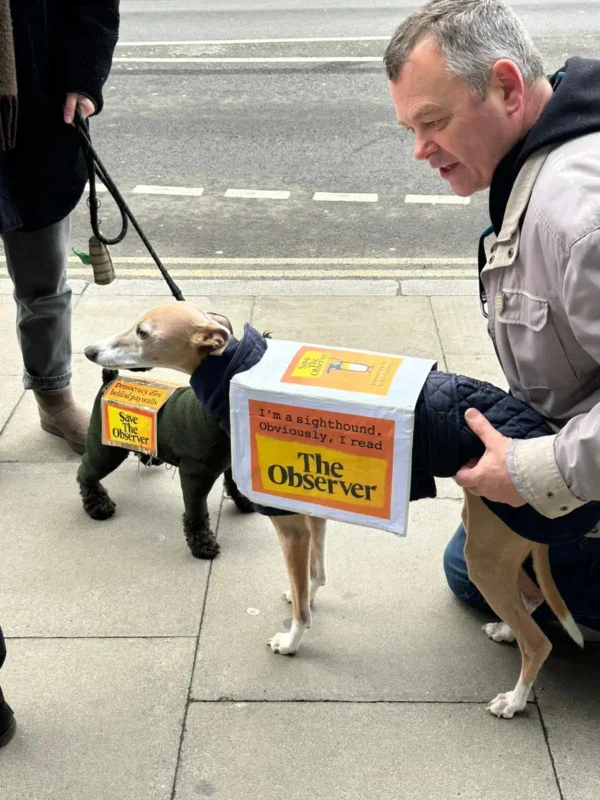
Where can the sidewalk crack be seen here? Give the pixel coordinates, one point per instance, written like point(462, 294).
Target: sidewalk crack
point(550, 753)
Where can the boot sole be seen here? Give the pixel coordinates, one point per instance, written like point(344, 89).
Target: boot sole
point(77, 447)
point(8, 735)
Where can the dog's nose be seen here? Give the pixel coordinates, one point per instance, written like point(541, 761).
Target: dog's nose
point(91, 352)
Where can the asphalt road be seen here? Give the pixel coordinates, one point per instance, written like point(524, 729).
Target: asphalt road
point(286, 125)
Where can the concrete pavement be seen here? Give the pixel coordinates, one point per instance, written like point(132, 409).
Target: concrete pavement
point(137, 673)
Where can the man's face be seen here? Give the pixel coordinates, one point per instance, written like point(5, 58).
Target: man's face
point(457, 133)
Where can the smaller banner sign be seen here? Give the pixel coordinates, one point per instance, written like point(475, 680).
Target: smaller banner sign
point(129, 413)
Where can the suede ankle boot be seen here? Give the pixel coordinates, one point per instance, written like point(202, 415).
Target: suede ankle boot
point(8, 723)
point(60, 415)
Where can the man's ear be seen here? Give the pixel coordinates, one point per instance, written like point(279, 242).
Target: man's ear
point(211, 338)
point(506, 79)
point(221, 319)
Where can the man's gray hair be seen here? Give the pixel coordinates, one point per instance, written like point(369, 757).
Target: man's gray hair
point(472, 35)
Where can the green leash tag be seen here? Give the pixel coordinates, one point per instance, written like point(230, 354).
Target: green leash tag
point(85, 257)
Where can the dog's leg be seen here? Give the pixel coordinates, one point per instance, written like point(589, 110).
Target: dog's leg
point(294, 538)
point(317, 527)
point(318, 542)
point(494, 556)
point(231, 490)
point(196, 483)
point(98, 461)
point(532, 598)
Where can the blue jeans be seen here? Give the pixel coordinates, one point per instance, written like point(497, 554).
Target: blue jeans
point(575, 569)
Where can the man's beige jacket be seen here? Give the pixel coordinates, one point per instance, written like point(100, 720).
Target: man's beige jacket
point(543, 289)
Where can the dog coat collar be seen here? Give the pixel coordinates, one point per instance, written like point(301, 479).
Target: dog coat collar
point(210, 381)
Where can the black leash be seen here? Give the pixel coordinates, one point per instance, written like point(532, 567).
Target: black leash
point(96, 167)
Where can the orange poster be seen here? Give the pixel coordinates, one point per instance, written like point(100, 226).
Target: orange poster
point(132, 428)
point(146, 394)
point(371, 373)
point(337, 460)
point(129, 410)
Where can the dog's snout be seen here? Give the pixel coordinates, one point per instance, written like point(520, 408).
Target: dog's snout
point(91, 352)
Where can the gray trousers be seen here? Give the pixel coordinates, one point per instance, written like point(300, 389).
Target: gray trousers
point(37, 263)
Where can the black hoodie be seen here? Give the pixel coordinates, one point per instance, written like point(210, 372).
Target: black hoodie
point(573, 110)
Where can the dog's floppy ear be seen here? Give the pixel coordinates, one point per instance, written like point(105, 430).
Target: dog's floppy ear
point(221, 319)
point(211, 338)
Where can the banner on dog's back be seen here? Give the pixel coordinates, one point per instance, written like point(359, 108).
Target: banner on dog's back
point(129, 410)
point(328, 432)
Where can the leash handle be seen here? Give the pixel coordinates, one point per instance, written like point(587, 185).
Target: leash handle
point(96, 167)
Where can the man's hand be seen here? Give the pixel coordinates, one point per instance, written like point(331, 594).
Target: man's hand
point(488, 476)
point(80, 103)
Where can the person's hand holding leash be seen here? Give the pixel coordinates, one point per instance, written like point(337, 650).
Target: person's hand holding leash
point(78, 102)
point(488, 476)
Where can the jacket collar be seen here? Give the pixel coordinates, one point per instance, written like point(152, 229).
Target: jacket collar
point(210, 381)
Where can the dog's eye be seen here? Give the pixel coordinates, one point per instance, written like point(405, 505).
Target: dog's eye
point(141, 332)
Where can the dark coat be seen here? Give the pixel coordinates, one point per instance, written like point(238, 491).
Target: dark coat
point(443, 443)
point(211, 381)
point(442, 440)
point(61, 46)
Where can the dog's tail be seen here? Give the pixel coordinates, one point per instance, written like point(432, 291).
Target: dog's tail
point(541, 565)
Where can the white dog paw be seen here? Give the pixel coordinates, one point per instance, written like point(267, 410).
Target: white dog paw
point(287, 595)
point(282, 643)
point(499, 632)
point(506, 705)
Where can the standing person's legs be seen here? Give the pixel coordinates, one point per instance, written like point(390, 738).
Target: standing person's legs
point(37, 263)
point(7, 718)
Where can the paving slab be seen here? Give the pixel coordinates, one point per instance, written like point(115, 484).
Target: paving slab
point(267, 751)
point(386, 627)
point(402, 325)
point(12, 392)
point(97, 719)
point(64, 574)
point(103, 314)
point(569, 698)
point(461, 326)
point(11, 362)
point(447, 489)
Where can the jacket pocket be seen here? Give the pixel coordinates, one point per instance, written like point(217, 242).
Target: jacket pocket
point(538, 353)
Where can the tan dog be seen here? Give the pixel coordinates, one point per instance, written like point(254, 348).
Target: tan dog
point(176, 336)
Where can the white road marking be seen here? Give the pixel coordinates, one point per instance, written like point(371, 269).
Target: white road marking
point(435, 199)
point(172, 190)
point(100, 187)
point(256, 41)
point(276, 194)
point(345, 197)
point(258, 60)
point(257, 194)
